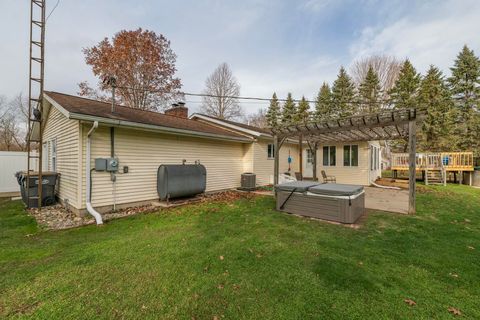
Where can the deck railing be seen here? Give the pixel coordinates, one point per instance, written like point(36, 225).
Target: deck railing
point(450, 161)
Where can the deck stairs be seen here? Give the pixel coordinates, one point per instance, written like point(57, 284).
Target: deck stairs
point(435, 176)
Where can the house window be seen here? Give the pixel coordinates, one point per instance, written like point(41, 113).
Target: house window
point(329, 156)
point(54, 155)
point(309, 156)
point(350, 155)
point(45, 157)
point(270, 151)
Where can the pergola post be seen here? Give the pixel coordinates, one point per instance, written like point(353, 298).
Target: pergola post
point(412, 150)
point(314, 169)
point(300, 154)
point(276, 161)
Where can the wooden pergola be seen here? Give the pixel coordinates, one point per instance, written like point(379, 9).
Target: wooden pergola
point(386, 125)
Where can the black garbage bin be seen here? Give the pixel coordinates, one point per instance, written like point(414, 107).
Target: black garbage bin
point(49, 181)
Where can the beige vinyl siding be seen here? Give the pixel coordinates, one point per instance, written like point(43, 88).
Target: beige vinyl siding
point(66, 133)
point(263, 166)
point(248, 157)
point(143, 152)
point(346, 174)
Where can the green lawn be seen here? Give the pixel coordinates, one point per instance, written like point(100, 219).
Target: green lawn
point(244, 260)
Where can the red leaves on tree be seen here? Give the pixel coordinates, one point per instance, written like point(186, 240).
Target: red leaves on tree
point(142, 63)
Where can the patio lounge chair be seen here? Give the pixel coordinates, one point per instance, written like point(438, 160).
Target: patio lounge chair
point(327, 179)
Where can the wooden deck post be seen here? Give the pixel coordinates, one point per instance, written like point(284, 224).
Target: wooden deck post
point(412, 142)
point(276, 163)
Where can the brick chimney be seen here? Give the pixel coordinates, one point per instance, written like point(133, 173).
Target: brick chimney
point(178, 110)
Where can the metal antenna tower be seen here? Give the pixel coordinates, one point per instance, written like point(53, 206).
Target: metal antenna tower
point(35, 94)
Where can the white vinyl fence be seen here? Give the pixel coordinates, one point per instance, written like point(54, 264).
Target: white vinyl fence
point(11, 162)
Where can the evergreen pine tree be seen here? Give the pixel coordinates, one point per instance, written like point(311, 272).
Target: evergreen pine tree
point(465, 88)
point(465, 81)
point(323, 103)
point(404, 94)
point(435, 97)
point(273, 112)
point(370, 92)
point(302, 114)
point(288, 111)
point(343, 95)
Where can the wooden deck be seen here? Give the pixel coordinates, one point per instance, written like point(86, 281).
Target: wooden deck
point(447, 161)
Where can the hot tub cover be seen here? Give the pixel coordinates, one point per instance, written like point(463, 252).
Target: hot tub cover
point(299, 186)
point(334, 189)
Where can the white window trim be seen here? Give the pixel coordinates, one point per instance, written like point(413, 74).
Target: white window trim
point(53, 155)
point(350, 153)
point(328, 156)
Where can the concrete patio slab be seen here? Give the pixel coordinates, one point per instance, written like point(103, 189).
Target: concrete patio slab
point(386, 199)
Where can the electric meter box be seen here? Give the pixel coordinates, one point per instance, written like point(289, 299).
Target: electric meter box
point(106, 164)
point(112, 164)
point(100, 164)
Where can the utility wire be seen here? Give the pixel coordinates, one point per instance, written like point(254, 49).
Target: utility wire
point(53, 9)
point(245, 98)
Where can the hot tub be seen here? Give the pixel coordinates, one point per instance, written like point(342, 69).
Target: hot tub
point(335, 202)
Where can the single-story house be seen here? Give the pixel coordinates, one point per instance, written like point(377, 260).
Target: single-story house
point(144, 140)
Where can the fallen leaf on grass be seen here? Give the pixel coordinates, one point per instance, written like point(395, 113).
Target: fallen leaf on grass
point(410, 302)
point(471, 248)
point(454, 311)
point(221, 258)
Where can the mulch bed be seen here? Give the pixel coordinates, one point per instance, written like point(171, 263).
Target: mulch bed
point(58, 218)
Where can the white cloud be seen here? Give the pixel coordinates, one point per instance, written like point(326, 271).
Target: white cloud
point(434, 34)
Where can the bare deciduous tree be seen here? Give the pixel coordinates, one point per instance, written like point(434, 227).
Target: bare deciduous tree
point(222, 87)
point(258, 119)
point(386, 67)
point(12, 123)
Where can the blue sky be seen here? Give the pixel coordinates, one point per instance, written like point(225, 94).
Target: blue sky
point(271, 45)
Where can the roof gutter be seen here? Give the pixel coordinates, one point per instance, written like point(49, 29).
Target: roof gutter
point(149, 127)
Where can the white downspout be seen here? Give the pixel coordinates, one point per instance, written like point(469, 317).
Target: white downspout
point(90, 209)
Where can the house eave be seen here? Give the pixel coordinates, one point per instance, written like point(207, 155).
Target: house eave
point(160, 129)
point(225, 124)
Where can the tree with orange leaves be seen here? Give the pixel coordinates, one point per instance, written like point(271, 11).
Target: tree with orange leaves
point(143, 65)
